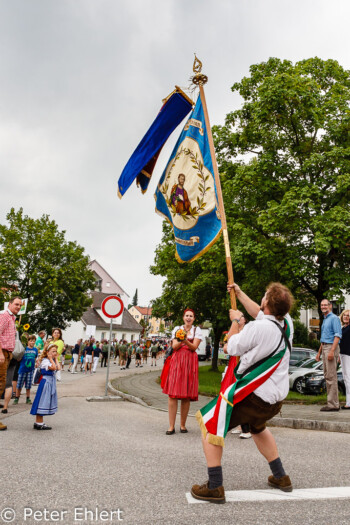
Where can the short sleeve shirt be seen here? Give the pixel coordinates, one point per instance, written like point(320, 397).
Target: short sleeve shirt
point(28, 360)
point(195, 332)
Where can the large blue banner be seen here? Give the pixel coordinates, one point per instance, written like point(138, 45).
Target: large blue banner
point(186, 194)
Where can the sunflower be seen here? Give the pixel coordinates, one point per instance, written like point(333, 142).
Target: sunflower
point(26, 327)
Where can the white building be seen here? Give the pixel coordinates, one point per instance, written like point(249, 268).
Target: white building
point(124, 327)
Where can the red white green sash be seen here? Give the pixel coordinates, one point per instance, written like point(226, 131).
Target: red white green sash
point(214, 418)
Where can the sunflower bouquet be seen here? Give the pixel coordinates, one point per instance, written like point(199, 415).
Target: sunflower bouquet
point(180, 335)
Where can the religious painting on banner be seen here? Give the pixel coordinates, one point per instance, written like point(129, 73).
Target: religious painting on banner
point(186, 194)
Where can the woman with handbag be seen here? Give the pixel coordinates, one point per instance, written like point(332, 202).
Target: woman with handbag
point(179, 379)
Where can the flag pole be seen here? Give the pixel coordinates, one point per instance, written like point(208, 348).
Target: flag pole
point(199, 79)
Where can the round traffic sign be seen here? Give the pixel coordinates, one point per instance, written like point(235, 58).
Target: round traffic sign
point(112, 306)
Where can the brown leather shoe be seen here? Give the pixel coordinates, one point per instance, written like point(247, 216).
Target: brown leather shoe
point(204, 493)
point(282, 483)
point(329, 409)
point(2, 426)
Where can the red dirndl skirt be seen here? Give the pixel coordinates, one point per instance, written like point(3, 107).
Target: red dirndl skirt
point(179, 378)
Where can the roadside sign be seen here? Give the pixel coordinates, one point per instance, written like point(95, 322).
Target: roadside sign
point(90, 330)
point(112, 306)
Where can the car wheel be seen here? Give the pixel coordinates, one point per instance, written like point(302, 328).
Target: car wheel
point(297, 386)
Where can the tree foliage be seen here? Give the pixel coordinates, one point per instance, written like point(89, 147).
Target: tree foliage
point(36, 262)
point(135, 298)
point(285, 163)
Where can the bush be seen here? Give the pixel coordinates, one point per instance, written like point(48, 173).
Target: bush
point(301, 335)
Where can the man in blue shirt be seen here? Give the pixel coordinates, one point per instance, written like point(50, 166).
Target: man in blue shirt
point(331, 333)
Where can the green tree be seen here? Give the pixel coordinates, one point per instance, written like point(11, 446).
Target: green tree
point(200, 285)
point(36, 262)
point(284, 159)
point(135, 299)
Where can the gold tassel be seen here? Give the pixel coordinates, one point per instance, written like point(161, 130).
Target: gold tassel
point(214, 440)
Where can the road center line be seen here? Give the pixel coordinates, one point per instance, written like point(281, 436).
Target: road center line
point(277, 495)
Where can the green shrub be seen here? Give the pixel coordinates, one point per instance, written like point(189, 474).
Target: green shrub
point(301, 335)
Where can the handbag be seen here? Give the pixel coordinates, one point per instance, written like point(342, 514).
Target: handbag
point(18, 351)
point(37, 376)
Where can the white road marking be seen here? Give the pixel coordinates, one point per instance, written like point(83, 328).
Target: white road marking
point(278, 495)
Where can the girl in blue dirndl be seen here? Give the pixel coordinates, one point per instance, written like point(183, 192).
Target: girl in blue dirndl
point(45, 402)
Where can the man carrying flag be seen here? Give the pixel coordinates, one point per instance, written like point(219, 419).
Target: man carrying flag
point(260, 385)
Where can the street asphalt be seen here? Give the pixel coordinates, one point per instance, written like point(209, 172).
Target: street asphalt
point(111, 462)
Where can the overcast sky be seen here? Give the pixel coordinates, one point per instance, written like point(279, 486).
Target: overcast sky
point(82, 80)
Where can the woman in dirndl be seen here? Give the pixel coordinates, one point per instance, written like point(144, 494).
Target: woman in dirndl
point(179, 379)
point(45, 402)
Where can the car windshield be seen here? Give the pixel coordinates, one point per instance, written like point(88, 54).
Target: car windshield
point(301, 362)
point(312, 363)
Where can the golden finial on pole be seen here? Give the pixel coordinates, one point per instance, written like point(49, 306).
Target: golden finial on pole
point(199, 79)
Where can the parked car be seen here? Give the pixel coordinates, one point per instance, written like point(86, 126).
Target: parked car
point(316, 383)
point(296, 376)
point(298, 354)
point(299, 364)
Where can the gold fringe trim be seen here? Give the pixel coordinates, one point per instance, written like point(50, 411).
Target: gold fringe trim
point(181, 92)
point(227, 401)
point(119, 194)
point(214, 440)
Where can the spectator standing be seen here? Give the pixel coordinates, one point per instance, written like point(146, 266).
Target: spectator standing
point(154, 351)
point(345, 354)
point(57, 339)
point(104, 359)
point(45, 402)
point(138, 356)
point(97, 353)
point(331, 334)
point(26, 370)
point(123, 350)
point(89, 355)
point(7, 341)
point(39, 343)
point(75, 355)
point(144, 354)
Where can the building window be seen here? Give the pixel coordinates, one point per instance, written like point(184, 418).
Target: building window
point(132, 338)
point(108, 285)
point(103, 335)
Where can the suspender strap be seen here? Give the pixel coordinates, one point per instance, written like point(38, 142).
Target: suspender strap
point(283, 336)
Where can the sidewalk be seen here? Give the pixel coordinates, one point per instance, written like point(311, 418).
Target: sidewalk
point(144, 389)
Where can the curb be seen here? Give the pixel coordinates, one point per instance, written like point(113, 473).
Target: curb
point(128, 397)
point(104, 398)
point(310, 424)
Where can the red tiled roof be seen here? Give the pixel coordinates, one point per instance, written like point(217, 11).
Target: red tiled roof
point(144, 310)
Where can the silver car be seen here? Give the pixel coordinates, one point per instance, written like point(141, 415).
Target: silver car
point(296, 376)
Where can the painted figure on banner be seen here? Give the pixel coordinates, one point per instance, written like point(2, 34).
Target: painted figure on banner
point(179, 196)
point(186, 193)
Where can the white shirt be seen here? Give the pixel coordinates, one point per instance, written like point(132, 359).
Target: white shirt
point(45, 363)
point(256, 341)
point(190, 335)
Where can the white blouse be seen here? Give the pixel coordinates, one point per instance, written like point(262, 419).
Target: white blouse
point(194, 333)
